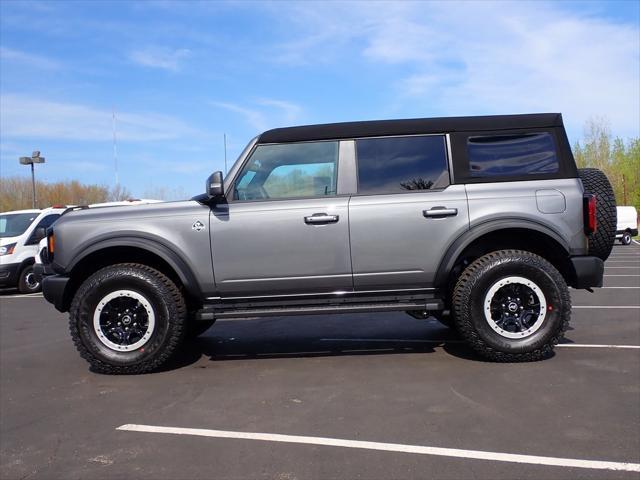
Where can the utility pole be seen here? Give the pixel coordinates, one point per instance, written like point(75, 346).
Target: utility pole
point(33, 159)
point(115, 150)
point(225, 153)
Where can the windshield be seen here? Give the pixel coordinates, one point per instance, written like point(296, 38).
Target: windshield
point(15, 224)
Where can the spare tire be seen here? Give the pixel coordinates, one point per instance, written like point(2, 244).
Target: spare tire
point(596, 182)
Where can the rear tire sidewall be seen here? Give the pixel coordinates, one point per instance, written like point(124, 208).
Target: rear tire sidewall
point(626, 238)
point(553, 296)
point(144, 285)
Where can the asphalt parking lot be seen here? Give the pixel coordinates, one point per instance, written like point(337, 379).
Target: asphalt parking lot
point(362, 396)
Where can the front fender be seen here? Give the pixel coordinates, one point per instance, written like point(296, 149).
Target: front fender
point(148, 243)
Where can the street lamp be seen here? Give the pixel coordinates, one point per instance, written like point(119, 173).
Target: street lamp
point(33, 159)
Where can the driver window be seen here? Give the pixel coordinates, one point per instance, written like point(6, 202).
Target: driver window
point(293, 170)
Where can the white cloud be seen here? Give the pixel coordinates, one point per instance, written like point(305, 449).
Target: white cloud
point(273, 113)
point(30, 117)
point(161, 57)
point(27, 59)
point(484, 57)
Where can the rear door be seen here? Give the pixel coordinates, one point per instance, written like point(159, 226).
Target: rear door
point(406, 212)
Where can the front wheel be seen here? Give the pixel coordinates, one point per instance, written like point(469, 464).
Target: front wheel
point(27, 282)
point(626, 238)
point(511, 306)
point(127, 318)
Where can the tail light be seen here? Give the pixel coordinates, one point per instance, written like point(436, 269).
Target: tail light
point(589, 209)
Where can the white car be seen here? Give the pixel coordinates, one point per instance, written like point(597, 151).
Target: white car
point(20, 233)
point(627, 224)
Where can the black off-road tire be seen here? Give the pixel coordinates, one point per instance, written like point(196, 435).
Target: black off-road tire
point(468, 306)
point(168, 307)
point(26, 281)
point(626, 238)
point(596, 182)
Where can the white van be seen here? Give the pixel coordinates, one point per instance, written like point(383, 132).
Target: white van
point(20, 233)
point(627, 224)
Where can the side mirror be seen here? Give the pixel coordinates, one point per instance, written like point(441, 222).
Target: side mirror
point(215, 187)
point(38, 234)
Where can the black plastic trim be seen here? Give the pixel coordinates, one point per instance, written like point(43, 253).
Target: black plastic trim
point(53, 289)
point(457, 247)
point(153, 246)
point(589, 272)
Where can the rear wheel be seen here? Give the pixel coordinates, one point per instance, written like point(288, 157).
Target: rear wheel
point(27, 282)
point(127, 318)
point(596, 182)
point(626, 238)
point(511, 306)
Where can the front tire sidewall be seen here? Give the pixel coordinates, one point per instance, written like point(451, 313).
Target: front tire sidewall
point(144, 285)
point(23, 285)
point(626, 238)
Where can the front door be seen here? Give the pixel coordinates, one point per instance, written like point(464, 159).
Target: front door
point(284, 230)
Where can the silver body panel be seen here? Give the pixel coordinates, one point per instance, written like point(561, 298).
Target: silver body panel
point(168, 225)
point(521, 201)
point(266, 247)
point(393, 244)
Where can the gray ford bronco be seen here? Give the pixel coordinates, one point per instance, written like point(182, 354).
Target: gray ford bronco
point(481, 222)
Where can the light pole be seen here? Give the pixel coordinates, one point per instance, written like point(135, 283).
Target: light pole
point(33, 159)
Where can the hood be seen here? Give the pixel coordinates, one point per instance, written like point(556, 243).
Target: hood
point(131, 212)
point(8, 240)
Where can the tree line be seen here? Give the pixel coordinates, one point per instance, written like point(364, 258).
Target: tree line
point(618, 159)
point(16, 193)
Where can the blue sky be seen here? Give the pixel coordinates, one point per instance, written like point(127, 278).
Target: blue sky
point(181, 74)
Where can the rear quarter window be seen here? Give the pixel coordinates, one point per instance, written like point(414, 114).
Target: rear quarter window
point(513, 155)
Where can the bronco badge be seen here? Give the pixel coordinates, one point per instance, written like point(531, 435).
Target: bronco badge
point(198, 226)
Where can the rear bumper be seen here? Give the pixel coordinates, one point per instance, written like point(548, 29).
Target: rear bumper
point(633, 231)
point(589, 272)
point(9, 274)
point(53, 288)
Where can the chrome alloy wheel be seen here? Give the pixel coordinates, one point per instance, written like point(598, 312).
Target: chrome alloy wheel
point(515, 307)
point(124, 320)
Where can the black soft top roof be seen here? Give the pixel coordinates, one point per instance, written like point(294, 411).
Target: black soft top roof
point(412, 126)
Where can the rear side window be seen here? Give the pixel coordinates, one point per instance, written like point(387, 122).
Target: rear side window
point(512, 155)
point(401, 164)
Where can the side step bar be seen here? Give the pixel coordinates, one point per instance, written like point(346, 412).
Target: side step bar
point(214, 312)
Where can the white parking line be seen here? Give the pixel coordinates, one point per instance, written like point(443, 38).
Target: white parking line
point(619, 287)
point(27, 295)
point(406, 340)
point(636, 242)
point(389, 447)
point(606, 306)
point(586, 345)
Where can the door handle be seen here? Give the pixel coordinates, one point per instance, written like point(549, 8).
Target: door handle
point(440, 212)
point(320, 218)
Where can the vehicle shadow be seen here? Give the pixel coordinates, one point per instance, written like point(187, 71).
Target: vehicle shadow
point(321, 336)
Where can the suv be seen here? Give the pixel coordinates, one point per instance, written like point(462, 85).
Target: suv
point(20, 232)
point(482, 222)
